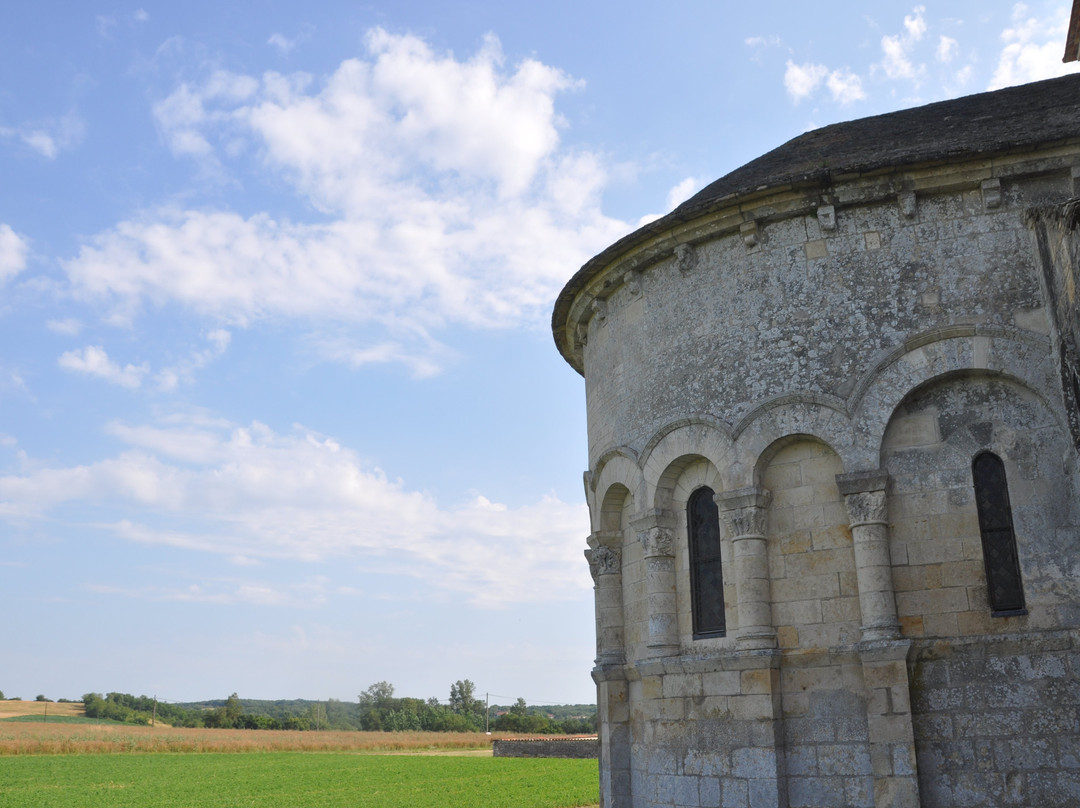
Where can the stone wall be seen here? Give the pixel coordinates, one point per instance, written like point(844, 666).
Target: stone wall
point(546, 747)
point(997, 722)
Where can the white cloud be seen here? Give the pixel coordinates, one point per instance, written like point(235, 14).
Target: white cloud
point(51, 136)
point(281, 42)
point(250, 493)
point(447, 196)
point(914, 23)
point(1033, 48)
point(683, 191)
point(170, 378)
point(801, 80)
point(308, 593)
point(141, 15)
point(69, 326)
point(896, 50)
point(845, 86)
point(93, 361)
point(762, 41)
point(13, 250)
point(947, 48)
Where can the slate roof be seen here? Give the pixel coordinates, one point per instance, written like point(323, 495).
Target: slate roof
point(1014, 118)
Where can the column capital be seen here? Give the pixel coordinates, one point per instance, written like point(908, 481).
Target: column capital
point(865, 497)
point(604, 561)
point(744, 512)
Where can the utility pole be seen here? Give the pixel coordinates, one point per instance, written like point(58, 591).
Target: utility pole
point(153, 718)
point(487, 713)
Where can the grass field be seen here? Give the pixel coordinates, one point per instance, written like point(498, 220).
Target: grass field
point(295, 780)
point(66, 763)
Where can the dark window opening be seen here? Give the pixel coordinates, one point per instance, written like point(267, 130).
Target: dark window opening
point(706, 575)
point(1003, 583)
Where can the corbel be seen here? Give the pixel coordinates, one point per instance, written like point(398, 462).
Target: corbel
point(685, 257)
point(826, 216)
point(991, 193)
point(908, 204)
point(750, 233)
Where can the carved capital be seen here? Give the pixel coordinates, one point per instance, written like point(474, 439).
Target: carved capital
point(656, 541)
point(744, 512)
point(604, 561)
point(864, 495)
point(748, 521)
point(867, 508)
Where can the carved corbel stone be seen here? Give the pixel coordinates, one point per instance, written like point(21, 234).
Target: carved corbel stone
point(632, 282)
point(686, 257)
point(991, 193)
point(908, 204)
point(599, 309)
point(581, 335)
point(826, 215)
point(750, 233)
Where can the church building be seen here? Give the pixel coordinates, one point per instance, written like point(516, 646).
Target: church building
point(834, 477)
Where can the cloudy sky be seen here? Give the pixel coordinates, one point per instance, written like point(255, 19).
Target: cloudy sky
point(280, 412)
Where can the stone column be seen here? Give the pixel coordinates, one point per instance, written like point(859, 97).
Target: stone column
point(655, 534)
point(883, 652)
point(864, 495)
point(605, 564)
point(744, 515)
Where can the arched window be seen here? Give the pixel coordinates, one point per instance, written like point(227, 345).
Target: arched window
point(706, 576)
point(1003, 583)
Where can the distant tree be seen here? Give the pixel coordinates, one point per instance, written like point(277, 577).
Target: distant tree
point(1, 695)
point(379, 695)
point(40, 697)
point(233, 710)
point(519, 707)
point(463, 703)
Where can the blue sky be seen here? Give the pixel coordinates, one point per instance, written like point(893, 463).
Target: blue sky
point(280, 411)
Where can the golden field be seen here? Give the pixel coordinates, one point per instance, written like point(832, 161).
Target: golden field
point(12, 708)
point(43, 738)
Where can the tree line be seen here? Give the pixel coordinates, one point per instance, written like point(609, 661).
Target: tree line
point(376, 709)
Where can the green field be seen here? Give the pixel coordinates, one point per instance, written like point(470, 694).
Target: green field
point(293, 780)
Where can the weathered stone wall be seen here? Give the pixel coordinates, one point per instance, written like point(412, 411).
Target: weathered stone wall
point(804, 309)
point(546, 747)
point(997, 722)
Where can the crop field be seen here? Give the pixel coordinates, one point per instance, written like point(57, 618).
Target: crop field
point(295, 779)
point(21, 737)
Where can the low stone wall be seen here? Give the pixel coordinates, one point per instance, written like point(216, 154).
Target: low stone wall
point(547, 747)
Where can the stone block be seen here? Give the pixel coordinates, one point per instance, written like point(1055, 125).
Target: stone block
point(734, 793)
point(753, 763)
